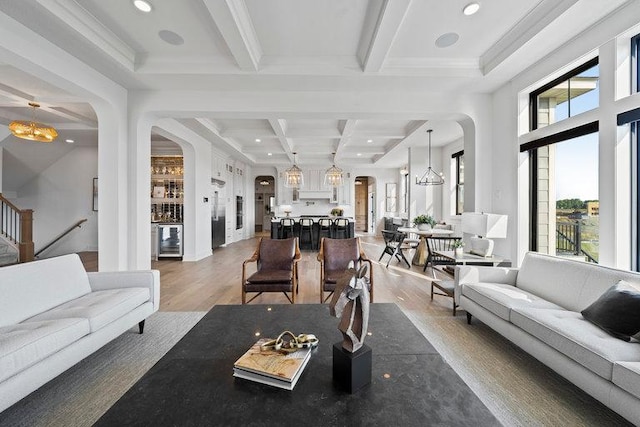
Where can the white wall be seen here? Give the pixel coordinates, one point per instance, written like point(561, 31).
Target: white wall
point(59, 199)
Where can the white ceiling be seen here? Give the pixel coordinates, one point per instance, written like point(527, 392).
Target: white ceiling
point(294, 45)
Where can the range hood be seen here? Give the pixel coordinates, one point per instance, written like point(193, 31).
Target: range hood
point(220, 183)
point(310, 194)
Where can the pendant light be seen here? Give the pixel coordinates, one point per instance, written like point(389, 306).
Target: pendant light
point(32, 130)
point(293, 177)
point(430, 177)
point(333, 175)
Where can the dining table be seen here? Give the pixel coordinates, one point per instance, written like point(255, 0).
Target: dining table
point(421, 253)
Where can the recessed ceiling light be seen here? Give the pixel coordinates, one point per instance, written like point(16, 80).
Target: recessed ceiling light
point(447, 39)
point(369, 140)
point(471, 8)
point(70, 141)
point(359, 154)
point(142, 5)
point(171, 37)
point(269, 154)
point(258, 140)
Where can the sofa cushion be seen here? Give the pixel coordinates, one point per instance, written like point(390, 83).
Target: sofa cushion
point(100, 307)
point(626, 375)
point(617, 311)
point(571, 284)
point(35, 287)
point(570, 334)
point(499, 298)
point(25, 344)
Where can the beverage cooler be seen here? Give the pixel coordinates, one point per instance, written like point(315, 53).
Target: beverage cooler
point(169, 240)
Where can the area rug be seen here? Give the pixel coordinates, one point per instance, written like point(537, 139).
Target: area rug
point(79, 396)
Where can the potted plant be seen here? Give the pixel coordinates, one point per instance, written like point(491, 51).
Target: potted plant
point(337, 212)
point(457, 247)
point(424, 222)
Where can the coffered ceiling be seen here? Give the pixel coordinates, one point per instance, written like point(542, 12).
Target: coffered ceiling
point(328, 46)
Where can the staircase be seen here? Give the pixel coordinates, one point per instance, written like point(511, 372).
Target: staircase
point(8, 254)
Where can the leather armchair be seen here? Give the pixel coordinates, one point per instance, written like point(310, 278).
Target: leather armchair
point(277, 269)
point(334, 257)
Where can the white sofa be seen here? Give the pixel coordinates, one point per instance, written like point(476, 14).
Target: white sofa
point(538, 308)
point(54, 314)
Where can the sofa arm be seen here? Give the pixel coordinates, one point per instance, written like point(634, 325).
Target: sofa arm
point(476, 274)
point(128, 279)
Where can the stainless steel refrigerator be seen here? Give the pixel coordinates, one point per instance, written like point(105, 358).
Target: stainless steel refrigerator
point(218, 222)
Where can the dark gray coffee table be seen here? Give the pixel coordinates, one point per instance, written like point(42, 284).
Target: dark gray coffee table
point(192, 385)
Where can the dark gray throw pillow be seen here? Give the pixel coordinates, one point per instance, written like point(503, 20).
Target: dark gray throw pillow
point(617, 311)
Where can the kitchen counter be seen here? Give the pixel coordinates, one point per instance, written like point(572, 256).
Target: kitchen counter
point(304, 240)
point(296, 219)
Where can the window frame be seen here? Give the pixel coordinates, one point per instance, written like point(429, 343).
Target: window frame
point(635, 63)
point(533, 96)
point(457, 156)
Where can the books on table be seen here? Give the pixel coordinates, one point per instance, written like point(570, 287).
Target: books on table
point(272, 367)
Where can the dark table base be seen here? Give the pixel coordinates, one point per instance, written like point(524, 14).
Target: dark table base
point(193, 384)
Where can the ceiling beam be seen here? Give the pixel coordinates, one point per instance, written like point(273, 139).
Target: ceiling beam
point(374, 50)
point(280, 128)
point(417, 127)
point(534, 22)
point(76, 17)
point(234, 22)
point(348, 126)
point(234, 147)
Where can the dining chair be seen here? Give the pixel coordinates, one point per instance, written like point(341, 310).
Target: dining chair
point(276, 269)
point(324, 229)
point(437, 244)
point(340, 228)
point(306, 229)
point(334, 257)
point(394, 246)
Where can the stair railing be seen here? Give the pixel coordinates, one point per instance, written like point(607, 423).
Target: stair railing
point(78, 224)
point(16, 225)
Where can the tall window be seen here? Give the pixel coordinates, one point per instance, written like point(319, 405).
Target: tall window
point(458, 158)
point(635, 63)
point(565, 202)
point(566, 96)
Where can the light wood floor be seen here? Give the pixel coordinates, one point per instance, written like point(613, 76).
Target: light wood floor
point(518, 389)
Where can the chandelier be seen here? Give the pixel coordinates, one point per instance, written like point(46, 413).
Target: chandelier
point(33, 130)
point(333, 175)
point(293, 177)
point(430, 177)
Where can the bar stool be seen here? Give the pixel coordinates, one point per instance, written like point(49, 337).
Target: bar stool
point(325, 226)
point(306, 226)
point(340, 228)
point(286, 228)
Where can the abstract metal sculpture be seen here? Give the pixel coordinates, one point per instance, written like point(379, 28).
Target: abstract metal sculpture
point(350, 302)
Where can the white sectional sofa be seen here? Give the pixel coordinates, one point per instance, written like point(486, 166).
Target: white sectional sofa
point(54, 314)
point(538, 307)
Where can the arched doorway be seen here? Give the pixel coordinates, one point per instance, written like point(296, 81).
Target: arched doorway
point(265, 199)
point(364, 211)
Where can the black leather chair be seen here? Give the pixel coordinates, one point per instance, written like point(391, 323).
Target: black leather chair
point(334, 257)
point(395, 246)
point(277, 269)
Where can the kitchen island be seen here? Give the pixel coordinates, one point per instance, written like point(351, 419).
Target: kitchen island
point(275, 227)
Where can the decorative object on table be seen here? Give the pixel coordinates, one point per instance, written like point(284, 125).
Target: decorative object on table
point(484, 227)
point(458, 247)
point(352, 360)
point(32, 130)
point(286, 209)
point(424, 222)
point(337, 212)
point(293, 177)
point(333, 175)
point(430, 177)
point(276, 362)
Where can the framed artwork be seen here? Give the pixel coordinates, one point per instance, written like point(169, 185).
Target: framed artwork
point(390, 197)
point(95, 194)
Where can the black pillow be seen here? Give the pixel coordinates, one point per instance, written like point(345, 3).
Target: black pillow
point(617, 311)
